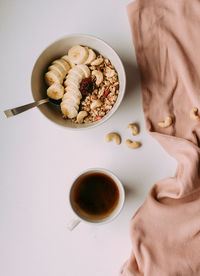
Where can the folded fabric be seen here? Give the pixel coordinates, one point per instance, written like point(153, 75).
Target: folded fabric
point(165, 231)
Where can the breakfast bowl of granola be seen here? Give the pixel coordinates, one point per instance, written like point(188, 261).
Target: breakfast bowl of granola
point(84, 79)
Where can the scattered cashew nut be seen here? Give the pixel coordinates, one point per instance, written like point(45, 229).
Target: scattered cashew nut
point(166, 123)
point(113, 136)
point(95, 104)
point(97, 61)
point(109, 72)
point(194, 114)
point(99, 76)
point(132, 144)
point(81, 115)
point(134, 128)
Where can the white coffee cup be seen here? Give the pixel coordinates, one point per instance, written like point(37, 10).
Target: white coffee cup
point(78, 216)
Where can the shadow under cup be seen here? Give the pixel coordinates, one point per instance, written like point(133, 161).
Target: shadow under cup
point(97, 196)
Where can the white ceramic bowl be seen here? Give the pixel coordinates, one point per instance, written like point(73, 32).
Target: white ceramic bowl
point(60, 48)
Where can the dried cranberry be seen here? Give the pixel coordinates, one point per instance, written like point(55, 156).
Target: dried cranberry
point(106, 93)
point(86, 86)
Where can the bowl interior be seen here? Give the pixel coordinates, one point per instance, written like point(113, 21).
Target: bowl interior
point(58, 49)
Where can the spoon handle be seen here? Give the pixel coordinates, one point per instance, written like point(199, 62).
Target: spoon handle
point(20, 109)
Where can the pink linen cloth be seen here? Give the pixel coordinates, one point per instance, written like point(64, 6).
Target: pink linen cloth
point(165, 231)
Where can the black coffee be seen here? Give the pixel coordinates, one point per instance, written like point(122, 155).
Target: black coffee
point(96, 195)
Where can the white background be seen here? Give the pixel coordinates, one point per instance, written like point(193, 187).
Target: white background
point(38, 159)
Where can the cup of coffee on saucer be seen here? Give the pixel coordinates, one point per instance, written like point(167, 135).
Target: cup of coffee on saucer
point(96, 197)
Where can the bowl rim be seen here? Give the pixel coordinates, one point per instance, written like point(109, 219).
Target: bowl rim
point(123, 77)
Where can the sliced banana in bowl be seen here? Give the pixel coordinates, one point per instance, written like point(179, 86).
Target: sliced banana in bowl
point(64, 64)
point(78, 54)
point(71, 97)
point(55, 91)
point(59, 69)
point(78, 71)
point(91, 56)
point(85, 70)
point(77, 77)
point(68, 110)
point(72, 82)
point(73, 90)
point(52, 77)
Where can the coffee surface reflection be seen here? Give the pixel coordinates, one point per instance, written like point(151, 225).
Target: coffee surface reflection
point(95, 195)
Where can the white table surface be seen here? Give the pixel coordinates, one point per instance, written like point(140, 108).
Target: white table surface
point(39, 159)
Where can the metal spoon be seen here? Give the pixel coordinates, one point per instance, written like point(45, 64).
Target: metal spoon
point(20, 109)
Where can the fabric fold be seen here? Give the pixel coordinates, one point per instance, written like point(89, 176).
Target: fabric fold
point(165, 231)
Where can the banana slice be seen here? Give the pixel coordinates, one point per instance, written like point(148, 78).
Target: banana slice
point(55, 91)
point(72, 97)
point(68, 111)
point(78, 54)
point(66, 58)
point(85, 70)
point(74, 76)
point(65, 65)
point(58, 68)
point(71, 102)
point(78, 70)
point(91, 57)
point(52, 77)
point(74, 91)
point(75, 71)
point(72, 82)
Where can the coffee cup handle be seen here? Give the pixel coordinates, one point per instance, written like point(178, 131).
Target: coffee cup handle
point(72, 223)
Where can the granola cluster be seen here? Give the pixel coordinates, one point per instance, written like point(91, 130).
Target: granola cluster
point(104, 95)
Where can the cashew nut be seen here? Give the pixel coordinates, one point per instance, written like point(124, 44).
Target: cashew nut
point(166, 123)
point(194, 114)
point(97, 61)
point(99, 76)
point(109, 72)
point(113, 136)
point(81, 115)
point(134, 128)
point(95, 104)
point(132, 144)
